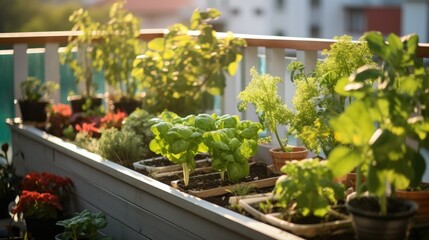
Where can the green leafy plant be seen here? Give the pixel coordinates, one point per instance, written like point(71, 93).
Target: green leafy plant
point(308, 183)
point(119, 146)
point(33, 90)
point(262, 93)
point(83, 63)
point(315, 101)
point(186, 67)
point(389, 109)
point(231, 145)
point(119, 48)
point(178, 142)
point(84, 225)
point(9, 180)
point(139, 124)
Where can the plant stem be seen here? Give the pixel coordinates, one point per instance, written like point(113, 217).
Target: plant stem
point(279, 140)
point(186, 171)
point(222, 175)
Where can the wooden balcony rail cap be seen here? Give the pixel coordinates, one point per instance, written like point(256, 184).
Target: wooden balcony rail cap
point(306, 44)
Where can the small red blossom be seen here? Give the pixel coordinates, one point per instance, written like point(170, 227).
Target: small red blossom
point(112, 119)
point(88, 128)
point(38, 205)
point(61, 109)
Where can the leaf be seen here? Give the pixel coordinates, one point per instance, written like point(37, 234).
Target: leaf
point(157, 44)
point(232, 68)
point(376, 43)
point(343, 160)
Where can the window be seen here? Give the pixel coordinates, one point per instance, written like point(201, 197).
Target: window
point(280, 4)
point(355, 20)
point(315, 3)
point(315, 31)
point(258, 12)
point(235, 11)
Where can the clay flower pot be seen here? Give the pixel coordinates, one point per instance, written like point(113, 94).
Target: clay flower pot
point(279, 157)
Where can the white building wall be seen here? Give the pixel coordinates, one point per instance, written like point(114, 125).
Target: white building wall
point(415, 19)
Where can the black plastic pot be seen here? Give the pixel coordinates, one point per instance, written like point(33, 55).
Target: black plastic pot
point(370, 224)
point(77, 103)
point(127, 105)
point(33, 111)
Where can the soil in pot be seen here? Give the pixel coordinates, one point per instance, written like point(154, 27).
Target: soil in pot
point(419, 195)
point(370, 224)
point(209, 185)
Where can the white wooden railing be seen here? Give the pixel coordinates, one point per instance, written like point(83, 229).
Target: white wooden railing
point(277, 52)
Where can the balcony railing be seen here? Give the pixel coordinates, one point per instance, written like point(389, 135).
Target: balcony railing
point(268, 53)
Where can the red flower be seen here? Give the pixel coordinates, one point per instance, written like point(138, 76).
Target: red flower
point(88, 128)
point(113, 119)
point(61, 109)
point(54, 186)
point(38, 205)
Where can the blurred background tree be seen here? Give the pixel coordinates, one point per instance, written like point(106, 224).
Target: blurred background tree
point(42, 15)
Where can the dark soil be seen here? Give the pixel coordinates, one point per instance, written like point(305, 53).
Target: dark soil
point(163, 161)
point(394, 205)
point(257, 171)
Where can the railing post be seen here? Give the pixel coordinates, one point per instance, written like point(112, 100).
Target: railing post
point(20, 71)
point(52, 67)
point(250, 59)
point(276, 66)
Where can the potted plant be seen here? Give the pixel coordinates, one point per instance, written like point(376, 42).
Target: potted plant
point(182, 71)
point(117, 51)
point(304, 201)
point(315, 100)
point(9, 181)
point(231, 144)
point(58, 118)
point(179, 142)
point(35, 99)
point(83, 62)
point(375, 131)
point(83, 225)
point(272, 112)
point(119, 146)
point(45, 198)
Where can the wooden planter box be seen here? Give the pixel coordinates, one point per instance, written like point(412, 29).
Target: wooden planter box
point(137, 207)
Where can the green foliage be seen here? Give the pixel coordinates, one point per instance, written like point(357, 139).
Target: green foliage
point(230, 142)
point(83, 63)
point(119, 146)
point(183, 70)
point(263, 94)
point(309, 183)
point(9, 180)
point(138, 123)
point(231, 146)
point(33, 90)
point(390, 109)
point(118, 49)
point(84, 224)
point(82, 139)
point(316, 101)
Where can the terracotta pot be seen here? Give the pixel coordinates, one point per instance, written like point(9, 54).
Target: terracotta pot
point(422, 200)
point(350, 180)
point(279, 157)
